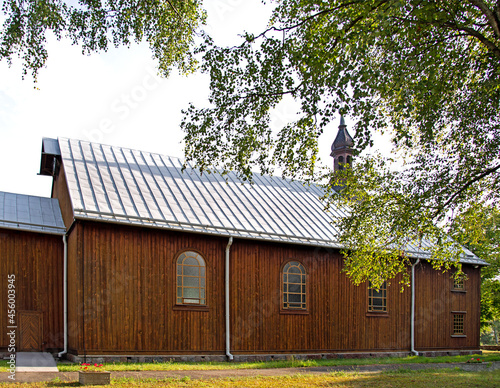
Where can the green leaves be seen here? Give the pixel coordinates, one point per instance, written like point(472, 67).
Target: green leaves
point(23, 30)
point(479, 229)
point(169, 26)
point(425, 71)
point(387, 225)
point(235, 132)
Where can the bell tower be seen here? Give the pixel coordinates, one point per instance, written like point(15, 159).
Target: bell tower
point(342, 147)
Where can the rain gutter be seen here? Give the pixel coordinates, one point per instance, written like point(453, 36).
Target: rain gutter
point(228, 336)
point(413, 308)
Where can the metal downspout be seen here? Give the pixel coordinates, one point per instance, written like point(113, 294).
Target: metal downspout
point(413, 308)
point(65, 297)
point(228, 338)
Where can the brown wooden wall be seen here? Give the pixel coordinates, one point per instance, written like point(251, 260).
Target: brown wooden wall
point(74, 287)
point(123, 293)
point(37, 262)
point(61, 192)
point(122, 299)
point(436, 301)
point(337, 316)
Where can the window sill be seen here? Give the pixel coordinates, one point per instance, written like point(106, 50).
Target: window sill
point(179, 307)
point(382, 314)
point(294, 312)
point(458, 336)
point(459, 291)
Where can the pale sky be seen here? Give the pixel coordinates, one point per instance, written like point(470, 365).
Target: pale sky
point(113, 98)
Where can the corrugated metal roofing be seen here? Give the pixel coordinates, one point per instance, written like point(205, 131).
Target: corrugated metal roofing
point(30, 213)
point(121, 185)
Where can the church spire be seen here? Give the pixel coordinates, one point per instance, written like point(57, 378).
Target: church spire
point(342, 147)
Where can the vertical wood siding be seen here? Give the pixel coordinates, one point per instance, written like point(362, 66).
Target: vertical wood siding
point(37, 262)
point(61, 192)
point(125, 287)
point(435, 303)
point(127, 291)
point(336, 316)
point(74, 289)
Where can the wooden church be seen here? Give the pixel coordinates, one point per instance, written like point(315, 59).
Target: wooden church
point(138, 259)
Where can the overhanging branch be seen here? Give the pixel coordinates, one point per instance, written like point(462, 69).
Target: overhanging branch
point(175, 9)
point(320, 13)
point(493, 19)
point(283, 93)
point(476, 34)
point(466, 186)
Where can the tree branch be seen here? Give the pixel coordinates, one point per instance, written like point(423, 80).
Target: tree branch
point(467, 30)
point(180, 16)
point(175, 9)
point(293, 91)
point(466, 186)
point(471, 32)
point(493, 20)
point(302, 22)
point(326, 11)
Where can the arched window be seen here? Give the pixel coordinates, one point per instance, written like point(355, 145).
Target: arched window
point(349, 160)
point(294, 286)
point(341, 162)
point(191, 276)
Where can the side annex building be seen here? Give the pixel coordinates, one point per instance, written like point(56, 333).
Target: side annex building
point(134, 258)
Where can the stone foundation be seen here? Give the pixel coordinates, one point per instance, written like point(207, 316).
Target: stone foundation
point(147, 358)
point(257, 357)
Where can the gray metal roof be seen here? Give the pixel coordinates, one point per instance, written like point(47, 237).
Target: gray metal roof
point(30, 213)
point(120, 185)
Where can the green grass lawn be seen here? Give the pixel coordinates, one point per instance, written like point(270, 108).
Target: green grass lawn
point(401, 378)
point(490, 356)
point(64, 367)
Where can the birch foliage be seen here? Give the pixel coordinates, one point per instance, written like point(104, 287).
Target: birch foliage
point(168, 26)
point(427, 72)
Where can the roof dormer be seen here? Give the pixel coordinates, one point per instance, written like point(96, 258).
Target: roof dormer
point(51, 157)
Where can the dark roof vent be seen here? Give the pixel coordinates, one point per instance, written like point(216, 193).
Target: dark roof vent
point(51, 157)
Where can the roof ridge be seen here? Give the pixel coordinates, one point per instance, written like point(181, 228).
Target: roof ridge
point(118, 146)
point(26, 195)
point(190, 166)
